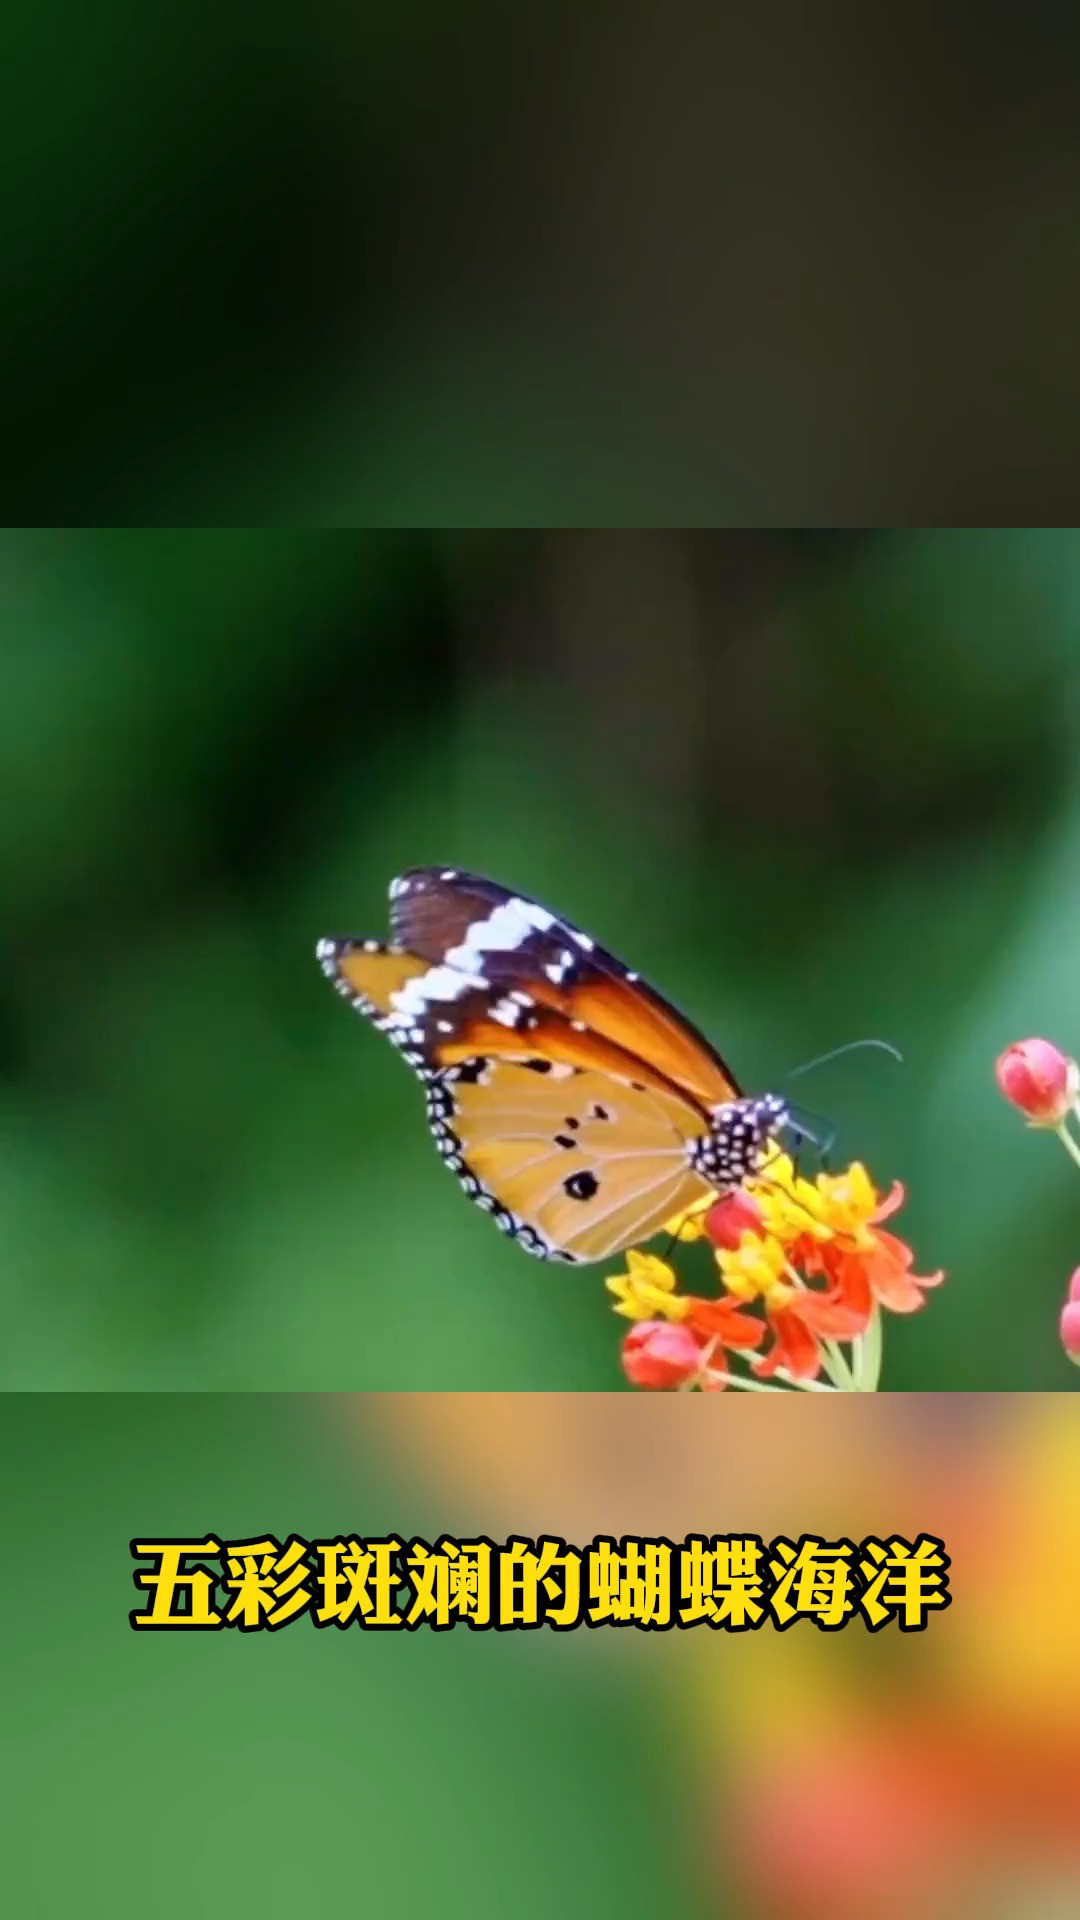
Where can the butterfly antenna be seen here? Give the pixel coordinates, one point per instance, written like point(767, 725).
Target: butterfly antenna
point(849, 1046)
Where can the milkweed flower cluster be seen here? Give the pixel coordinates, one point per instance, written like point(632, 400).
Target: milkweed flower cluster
point(805, 1265)
point(1044, 1085)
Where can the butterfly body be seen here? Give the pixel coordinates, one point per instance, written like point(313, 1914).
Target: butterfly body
point(573, 1103)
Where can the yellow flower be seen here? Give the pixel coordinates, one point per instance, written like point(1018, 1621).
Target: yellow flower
point(833, 1205)
point(789, 1205)
point(757, 1267)
point(647, 1290)
point(851, 1203)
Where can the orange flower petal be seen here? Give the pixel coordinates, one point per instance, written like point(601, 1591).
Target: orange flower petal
point(891, 1204)
point(834, 1315)
point(796, 1348)
point(722, 1320)
point(880, 1272)
point(892, 1284)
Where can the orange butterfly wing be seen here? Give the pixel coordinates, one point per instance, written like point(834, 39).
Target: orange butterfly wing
point(369, 973)
point(564, 1093)
point(521, 945)
point(579, 1164)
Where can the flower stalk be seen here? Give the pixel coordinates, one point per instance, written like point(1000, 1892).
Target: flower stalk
point(1040, 1080)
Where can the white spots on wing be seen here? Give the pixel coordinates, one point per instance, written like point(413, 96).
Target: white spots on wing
point(445, 1026)
point(561, 1070)
point(397, 888)
point(632, 976)
point(454, 1154)
point(558, 970)
point(330, 953)
point(505, 929)
point(508, 1010)
point(584, 941)
point(438, 983)
point(578, 1026)
point(448, 873)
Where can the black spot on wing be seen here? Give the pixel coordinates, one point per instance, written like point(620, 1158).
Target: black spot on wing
point(581, 1186)
point(471, 1071)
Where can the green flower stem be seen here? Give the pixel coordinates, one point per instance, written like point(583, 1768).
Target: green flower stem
point(837, 1367)
point(1068, 1143)
point(762, 1386)
point(866, 1353)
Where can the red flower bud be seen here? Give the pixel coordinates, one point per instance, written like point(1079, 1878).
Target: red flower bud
point(1039, 1079)
point(1070, 1327)
point(732, 1216)
point(660, 1353)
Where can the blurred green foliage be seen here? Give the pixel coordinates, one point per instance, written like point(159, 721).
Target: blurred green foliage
point(814, 786)
point(419, 1773)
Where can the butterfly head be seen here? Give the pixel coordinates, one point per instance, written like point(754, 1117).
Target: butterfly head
point(738, 1141)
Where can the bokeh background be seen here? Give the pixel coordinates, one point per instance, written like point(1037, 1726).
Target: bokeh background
point(815, 786)
point(698, 1774)
point(419, 266)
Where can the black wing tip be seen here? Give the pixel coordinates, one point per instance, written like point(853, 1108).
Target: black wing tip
point(418, 879)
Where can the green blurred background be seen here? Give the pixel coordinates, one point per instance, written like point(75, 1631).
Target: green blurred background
point(279, 1774)
point(814, 786)
point(784, 1776)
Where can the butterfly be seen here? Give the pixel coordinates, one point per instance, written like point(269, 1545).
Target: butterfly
point(573, 1103)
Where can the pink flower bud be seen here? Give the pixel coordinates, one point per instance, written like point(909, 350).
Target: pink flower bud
point(732, 1216)
point(1039, 1079)
point(1074, 1286)
point(660, 1353)
point(1070, 1328)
